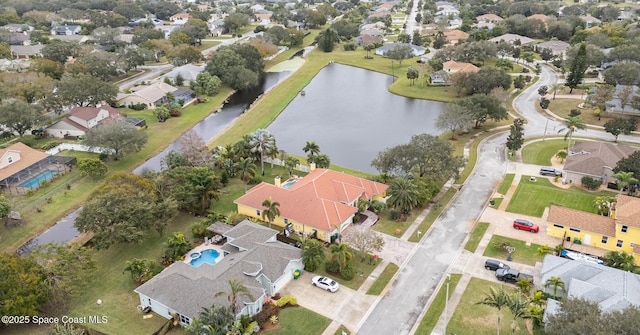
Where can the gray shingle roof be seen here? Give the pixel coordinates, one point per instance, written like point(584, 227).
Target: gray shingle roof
point(591, 157)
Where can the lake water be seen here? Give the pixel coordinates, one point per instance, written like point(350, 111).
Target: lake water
point(351, 115)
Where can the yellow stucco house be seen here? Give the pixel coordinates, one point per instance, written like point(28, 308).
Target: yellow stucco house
point(619, 232)
point(318, 204)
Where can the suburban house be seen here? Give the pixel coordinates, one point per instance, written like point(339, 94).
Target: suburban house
point(26, 51)
point(319, 204)
point(180, 17)
point(590, 21)
point(487, 21)
point(455, 36)
point(20, 164)
point(251, 255)
point(558, 48)
point(443, 76)
point(81, 119)
point(416, 50)
point(65, 29)
point(594, 159)
point(612, 289)
point(513, 39)
point(189, 72)
point(153, 95)
point(18, 27)
point(365, 39)
point(619, 232)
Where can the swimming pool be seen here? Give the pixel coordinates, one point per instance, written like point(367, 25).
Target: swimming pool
point(206, 256)
point(289, 184)
point(34, 182)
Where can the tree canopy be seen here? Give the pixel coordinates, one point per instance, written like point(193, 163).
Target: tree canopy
point(238, 66)
point(20, 116)
point(119, 138)
point(23, 285)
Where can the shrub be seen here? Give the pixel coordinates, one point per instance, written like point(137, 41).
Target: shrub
point(332, 266)
point(255, 180)
point(267, 311)
point(174, 112)
point(377, 206)
point(574, 112)
point(287, 300)
point(525, 70)
point(349, 46)
point(138, 107)
point(348, 272)
point(103, 156)
point(224, 178)
point(394, 214)
point(590, 183)
point(251, 328)
point(49, 145)
point(29, 141)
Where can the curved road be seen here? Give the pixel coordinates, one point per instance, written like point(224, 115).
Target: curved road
point(398, 311)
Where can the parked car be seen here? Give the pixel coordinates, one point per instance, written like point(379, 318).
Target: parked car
point(512, 275)
point(549, 171)
point(493, 265)
point(525, 225)
point(325, 283)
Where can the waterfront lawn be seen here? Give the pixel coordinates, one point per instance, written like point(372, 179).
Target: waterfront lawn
point(384, 279)
point(115, 287)
point(436, 308)
point(531, 198)
point(476, 236)
point(482, 319)
point(524, 254)
point(299, 320)
point(541, 152)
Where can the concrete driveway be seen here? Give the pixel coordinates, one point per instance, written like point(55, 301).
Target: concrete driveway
point(346, 306)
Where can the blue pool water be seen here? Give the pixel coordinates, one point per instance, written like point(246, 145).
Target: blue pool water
point(288, 184)
point(206, 256)
point(34, 182)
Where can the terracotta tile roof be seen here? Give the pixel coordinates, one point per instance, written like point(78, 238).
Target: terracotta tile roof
point(455, 35)
point(28, 156)
point(453, 66)
point(628, 211)
point(319, 199)
point(591, 157)
point(489, 18)
point(582, 220)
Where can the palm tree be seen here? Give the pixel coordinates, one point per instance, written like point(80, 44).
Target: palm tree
point(237, 290)
point(340, 253)
point(403, 194)
point(290, 163)
point(211, 321)
point(311, 148)
point(262, 142)
point(312, 253)
point(271, 210)
point(555, 282)
point(247, 170)
point(603, 204)
point(555, 88)
point(497, 299)
point(619, 260)
point(571, 124)
point(562, 155)
point(625, 179)
point(162, 113)
point(322, 160)
point(544, 250)
point(524, 285)
point(176, 246)
point(519, 309)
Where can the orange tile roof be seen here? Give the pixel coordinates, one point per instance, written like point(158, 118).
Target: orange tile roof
point(603, 225)
point(320, 199)
point(455, 35)
point(489, 17)
point(460, 66)
point(628, 211)
point(28, 156)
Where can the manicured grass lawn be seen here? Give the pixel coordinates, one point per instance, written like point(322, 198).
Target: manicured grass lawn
point(299, 320)
point(524, 254)
point(497, 202)
point(207, 44)
point(541, 152)
point(476, 236)
point(470, 318)
point(531, 198)
point(393, 227)
point(436, 308)
point(361, 269)
point(384, 279)
point(506, 183)
point(341, 330)
point(435, 211)
point(562, 108)
point(115, 288)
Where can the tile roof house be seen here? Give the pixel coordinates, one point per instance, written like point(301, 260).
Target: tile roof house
point(179, 17)
point(513, 39)
point(610, 288)
point(81, 119)
point(454, 67)
point(150, 95)
point(594, 159)
point(618, 232)
point(558, 48)
point(365, 39)
point(590, 21)
point(455, 36)
point(252, 255)
point(26, 51)
point(16, 157)
point(316, 204)
point(493, 18)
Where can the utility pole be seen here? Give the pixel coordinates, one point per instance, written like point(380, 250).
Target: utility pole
point(446, 305)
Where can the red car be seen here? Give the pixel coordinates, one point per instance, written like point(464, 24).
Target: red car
point(525, 225)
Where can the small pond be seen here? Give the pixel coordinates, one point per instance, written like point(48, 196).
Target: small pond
point(351, 115)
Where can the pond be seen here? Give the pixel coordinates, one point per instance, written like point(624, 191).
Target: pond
point(352, 116)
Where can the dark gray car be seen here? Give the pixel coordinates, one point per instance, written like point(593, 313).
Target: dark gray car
point(493, 265)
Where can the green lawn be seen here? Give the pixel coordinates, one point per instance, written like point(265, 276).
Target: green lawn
point(541, 152)
point(342, 329)
point(436, 209)
point(531, 198)
point(524, 254)
point(506, 183)
point(470, 318)
point(361, 269)
point(393, 227)
point(384, 279)
point(436, 308)
point(298, 320)
point(476, 236)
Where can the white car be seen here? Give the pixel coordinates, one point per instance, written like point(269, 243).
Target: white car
point(325, 283)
